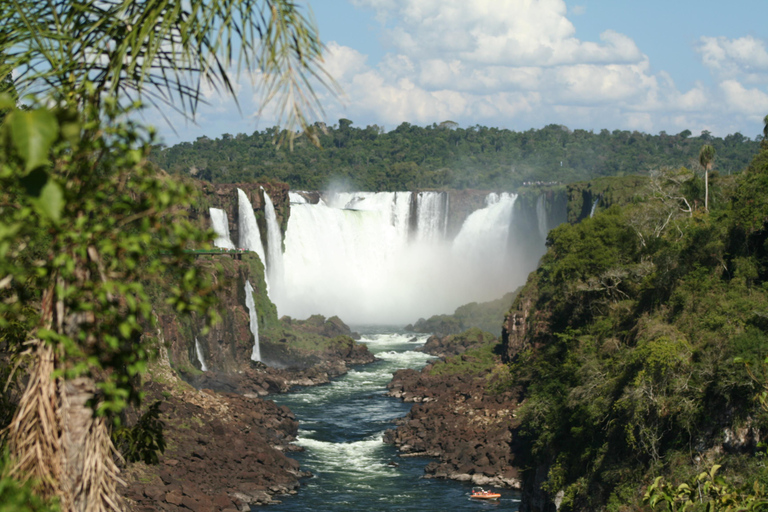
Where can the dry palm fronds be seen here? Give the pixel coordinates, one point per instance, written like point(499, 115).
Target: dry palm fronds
point(33, 436)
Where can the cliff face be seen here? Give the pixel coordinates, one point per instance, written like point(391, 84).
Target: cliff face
point(227, 346)
point(224, 197)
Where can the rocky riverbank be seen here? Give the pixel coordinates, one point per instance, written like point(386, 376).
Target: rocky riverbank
point(463, 415)
point(227, 446)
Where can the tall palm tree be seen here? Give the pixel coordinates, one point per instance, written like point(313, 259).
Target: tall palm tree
point(706, 159)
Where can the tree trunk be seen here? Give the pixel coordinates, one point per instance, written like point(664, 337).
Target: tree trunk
point(706, 190)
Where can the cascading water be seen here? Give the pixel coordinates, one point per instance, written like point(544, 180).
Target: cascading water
point(220, 225)
point(250, 236)
point(274, 261)
point(199, 352)
point(541, 216)
point(254, 321)
point(295, 198)
point(361, 256)
point(431, 217)
point(594, 207)
point(481, 249)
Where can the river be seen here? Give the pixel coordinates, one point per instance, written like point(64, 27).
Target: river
point(341, 429)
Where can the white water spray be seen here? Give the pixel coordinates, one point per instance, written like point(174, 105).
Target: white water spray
point(199, 352)
point(220, 225)
point(362, 257)
point(254, 321)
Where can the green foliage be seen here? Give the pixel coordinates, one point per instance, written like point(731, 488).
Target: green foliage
point(18, 497)
point(487, 316)
point(163, 51)
point(412, 157)
point(475, 361)
point(145, 440)
point(706, 491)
point(638, 315)
point(84, 228)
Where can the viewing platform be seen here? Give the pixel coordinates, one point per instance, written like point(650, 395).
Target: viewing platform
point(235, 253)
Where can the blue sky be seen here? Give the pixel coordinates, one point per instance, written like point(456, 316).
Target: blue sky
point(519, 64)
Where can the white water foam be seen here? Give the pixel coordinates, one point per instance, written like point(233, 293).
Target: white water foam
point(220, 225)
point(295, 198)
point(359, 458)
point(254, 321)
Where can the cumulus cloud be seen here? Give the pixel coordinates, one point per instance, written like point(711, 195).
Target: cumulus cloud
point(521, 64)
point(744, 57)
point(490, 61)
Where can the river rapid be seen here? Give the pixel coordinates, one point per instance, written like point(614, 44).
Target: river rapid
point(341, 429)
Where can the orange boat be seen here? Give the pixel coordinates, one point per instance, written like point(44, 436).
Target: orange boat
point(481, 494)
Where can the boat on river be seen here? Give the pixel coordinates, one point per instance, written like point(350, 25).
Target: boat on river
point(479, 493)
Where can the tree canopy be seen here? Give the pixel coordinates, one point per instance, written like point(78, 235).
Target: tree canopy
point(443, 156)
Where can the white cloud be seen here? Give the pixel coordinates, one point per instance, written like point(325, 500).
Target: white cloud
point(747, 101)
point(521, 64)
point(745, 57)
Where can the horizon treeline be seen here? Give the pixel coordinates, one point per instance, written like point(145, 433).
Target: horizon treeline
point(444, 156)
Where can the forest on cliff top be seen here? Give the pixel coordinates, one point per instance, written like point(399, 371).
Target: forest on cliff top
point(443, 156)
point(646, 332)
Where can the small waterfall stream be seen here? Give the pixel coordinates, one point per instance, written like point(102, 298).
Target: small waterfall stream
point(220, 225)
point(250, 236)
point(594, 207)
point(274, 262)
point(254, 321)
point(199, 353)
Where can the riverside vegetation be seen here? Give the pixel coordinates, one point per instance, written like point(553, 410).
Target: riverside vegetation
point(629, 344)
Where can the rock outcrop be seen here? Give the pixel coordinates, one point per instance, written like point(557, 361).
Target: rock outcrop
point(224, 452)
point(455, 344)
point(463, 418)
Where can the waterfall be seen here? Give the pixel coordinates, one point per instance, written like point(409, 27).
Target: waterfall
point(541, 216)
point(482, 247)
point(254, 321)
point(199, 353)
point(250, 237)
point(594, 207)
point(295, 198)
point(274, 262)
point(352, 255)
point(431, 216)
point(220, 225)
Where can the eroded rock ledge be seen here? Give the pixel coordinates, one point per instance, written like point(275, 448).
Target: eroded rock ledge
point(457, 420)
point(226, 449)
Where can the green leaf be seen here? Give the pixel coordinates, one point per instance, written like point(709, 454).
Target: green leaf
point(51, 201)
point(33, 132)
point(6, 101)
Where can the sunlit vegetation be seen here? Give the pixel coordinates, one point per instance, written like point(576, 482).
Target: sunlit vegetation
point(444, 156)
point(649, 309)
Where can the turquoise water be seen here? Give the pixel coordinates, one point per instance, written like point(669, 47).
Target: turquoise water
point(341, 428)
